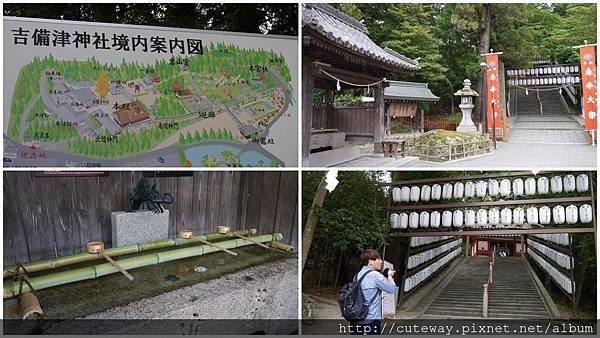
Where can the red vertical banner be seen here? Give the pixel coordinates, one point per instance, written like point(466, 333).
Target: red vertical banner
point(588, 83)
point(493, 91)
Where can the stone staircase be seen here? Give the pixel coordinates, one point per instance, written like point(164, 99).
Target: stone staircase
point(513, 295)
point(552, 126)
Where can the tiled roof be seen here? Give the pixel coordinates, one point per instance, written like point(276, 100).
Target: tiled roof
point(400, 90)
point(350, 33)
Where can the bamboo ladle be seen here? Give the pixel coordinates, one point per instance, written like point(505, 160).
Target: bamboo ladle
point(252, 231)
point(186, 234)
point(98, 248)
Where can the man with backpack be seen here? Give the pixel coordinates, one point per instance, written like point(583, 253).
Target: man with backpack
point(360, 300)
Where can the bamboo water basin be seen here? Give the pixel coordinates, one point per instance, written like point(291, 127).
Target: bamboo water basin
point(90, 296)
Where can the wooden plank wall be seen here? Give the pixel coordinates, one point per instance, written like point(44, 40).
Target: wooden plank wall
point(355, 120)
point(320, 114)
point(53, 216)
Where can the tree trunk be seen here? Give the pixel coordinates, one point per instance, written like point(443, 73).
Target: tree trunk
point(337, 274)
point(323, 264)
point(312, 220)
point(485, 26)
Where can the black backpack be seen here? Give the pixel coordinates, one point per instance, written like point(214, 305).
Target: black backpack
point(351, 298)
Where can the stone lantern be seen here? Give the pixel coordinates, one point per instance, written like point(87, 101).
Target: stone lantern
point(466, 106)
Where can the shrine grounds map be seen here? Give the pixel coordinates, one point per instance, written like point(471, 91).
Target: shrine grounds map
point(90, 95)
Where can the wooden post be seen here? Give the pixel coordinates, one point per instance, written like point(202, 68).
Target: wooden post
point(422, 118)
point(485, 300)
point(313, 219)
point(468, 246)
point(379, 131)
point(388, 120)
point(328, 98)
point(308, 86)
point(522, 245)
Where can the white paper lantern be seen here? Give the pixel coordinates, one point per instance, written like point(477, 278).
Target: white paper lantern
point(518, 216)
point(403, 220)
point(413, 220)
point(532, 216)
point(415, 192)
point(470, 218)
point(545, 215)
point(405, 197)
point(556, 185)
point(457, 218)
point(435, 219)
point(542, 185)
point(494, 188)
point(504, 188)
point(469, 189)
point(506, 216)
point(459, 189)
point(569, 183)
point(424, 219)
point(436, 192)
point(585, 213)
point(482, 217)
point(447, 191)
point(582, 183)
point(530, 186)
point(395, 221)
point(571, 214)
point(447, 219)
point(494, 216)
point(396, 194)
point(558, 214)
point(517, 186)
point(425, 193)
point(481, 188)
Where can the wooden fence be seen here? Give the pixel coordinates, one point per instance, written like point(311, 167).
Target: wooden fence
point(431, 124)
point(54, 216)
point(354, 119)
point(449, 152)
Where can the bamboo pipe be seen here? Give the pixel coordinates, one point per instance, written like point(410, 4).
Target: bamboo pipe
point(11, 289)
point(219, 247)
point(187, 233)
point(119, 267)
point(282, 246)
point(98, 248)
point(57, 262)
point(30, 306)
point(248, 239)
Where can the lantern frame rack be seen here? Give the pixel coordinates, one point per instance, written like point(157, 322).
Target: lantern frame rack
point(556, 200)
point(409, 272)
point(589, 197)
point(571, 273)
point(416, 269)
point(423, 248)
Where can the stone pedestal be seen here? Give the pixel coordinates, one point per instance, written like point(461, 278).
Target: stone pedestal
point(466, 124)
point(138, 226)
point(466, 106)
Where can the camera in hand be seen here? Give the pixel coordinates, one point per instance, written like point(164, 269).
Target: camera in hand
point(385, 272)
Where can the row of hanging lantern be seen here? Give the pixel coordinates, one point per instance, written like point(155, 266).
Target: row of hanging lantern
point(493, 217)
point(493, 188)
point(425, 256)
point(559, 258)
point(562, 280)
point(418, 241)
point(545, 81)
point(560, 239)
point(543, 70)
point(417, 278)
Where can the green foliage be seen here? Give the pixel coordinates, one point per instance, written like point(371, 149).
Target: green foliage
point(447, 37)
point(353, 216)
